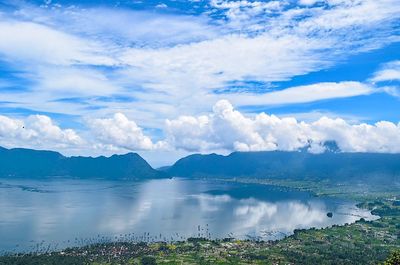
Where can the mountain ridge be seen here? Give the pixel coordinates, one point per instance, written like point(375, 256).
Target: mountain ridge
point(284, 164)
point(30, 163)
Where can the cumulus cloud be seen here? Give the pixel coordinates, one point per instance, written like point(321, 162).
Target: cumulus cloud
point(228, 129)
point(121, 132)
point(223, 130)
point(101, 136)
point(36, 131)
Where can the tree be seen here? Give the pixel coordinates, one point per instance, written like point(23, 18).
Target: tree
point(393, 259)
point(147, 260)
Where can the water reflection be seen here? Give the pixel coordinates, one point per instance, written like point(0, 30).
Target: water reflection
point(60, 210)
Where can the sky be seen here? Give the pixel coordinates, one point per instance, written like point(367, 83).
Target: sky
point(169, 78)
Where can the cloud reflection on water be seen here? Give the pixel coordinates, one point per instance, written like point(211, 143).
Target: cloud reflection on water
point(173, 208)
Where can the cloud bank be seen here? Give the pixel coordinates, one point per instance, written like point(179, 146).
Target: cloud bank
point(224, 129)
point(228, 129)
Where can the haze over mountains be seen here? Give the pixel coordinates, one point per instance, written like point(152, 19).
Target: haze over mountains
point(274, 164)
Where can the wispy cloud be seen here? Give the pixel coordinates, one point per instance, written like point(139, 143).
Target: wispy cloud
point(304, 94)
point(389, 72)
point(34, 43)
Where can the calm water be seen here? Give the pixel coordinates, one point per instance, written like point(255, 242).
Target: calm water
point(63, 212)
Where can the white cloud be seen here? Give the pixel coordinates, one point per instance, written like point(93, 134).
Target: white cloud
point(382, 137)
point(123, 27)
point(304, 94)
point(207, 65)
point(60, 82)
point(168, 62)
point(338, 16)
point(389, 72)
point(104, 136)
point(245, 13)
point(37, 131)
point(172, 64)
point(36, 43)
point(161, 6)
point(45, 128)
point(228, 129)
point(308, 2)
point(392, 90)
point(121, 132)
point(223, 130)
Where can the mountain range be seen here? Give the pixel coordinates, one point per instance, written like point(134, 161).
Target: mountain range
point(28, 163)
point(294, 165)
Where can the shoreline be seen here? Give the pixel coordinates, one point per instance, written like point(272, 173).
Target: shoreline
point(367, 242)
point(115, 238)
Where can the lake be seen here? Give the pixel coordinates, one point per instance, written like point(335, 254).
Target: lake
point(57, 213)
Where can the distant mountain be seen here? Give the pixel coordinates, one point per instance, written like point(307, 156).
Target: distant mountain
point(334, 165)
point(163, 168)
point(294, 165)
point(29, 163)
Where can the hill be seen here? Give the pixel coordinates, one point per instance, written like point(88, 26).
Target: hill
point(293, 165)
point(28, 163)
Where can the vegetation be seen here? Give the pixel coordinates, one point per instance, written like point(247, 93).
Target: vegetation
point(359, 192)
point(393, 259)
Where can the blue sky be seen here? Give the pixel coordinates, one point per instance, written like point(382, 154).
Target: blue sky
point(168, 78)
